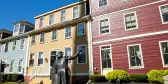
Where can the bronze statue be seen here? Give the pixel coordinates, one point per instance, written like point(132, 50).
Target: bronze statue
point(59, 71)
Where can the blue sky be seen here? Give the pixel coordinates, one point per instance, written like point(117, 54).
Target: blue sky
point(16, 10)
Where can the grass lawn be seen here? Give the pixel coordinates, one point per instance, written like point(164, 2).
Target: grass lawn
point(13, 83)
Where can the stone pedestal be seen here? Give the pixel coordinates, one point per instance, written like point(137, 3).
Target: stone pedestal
point(165, 78)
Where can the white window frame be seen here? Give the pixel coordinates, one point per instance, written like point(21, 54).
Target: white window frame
point(23, 28)
point(107, 69)
point(33, 59)
point(84, 29)
point(161, 14)
point(160, 42)
point(70, 61)
point(11, 66)
point(102, 6)
point(20, 65)
point(85, 53)
point(68, 32)
point(14, 30)
point(33, 39)
point(22, 44)
point(74, 12)
point(7, 43)
point(51, 19)
point(54, 34)
point(41, 24)
point(63, 16)
point(42, 38)
point(38, 59)
point(142, 61)
point(125, 21)
point(108, 24)
point(14, 46)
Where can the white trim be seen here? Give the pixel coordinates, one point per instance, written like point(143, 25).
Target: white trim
point(71, 53)
point(66, 32)
point(27, 55)
point(161, 14)
point(130, 37)
point(142, 61)
point(61, 15)
point(44, 37)
point(90, 49)
point(23, 44)
point(108, 24)
point(84, 29)
point(34, 39)
point(125, 21)
point(85, 53)
point(109, 69)
point(50, 19)
point(162, 53)
point(79, 74)
point(104, 5)
point(100, 16)
point(73, 11)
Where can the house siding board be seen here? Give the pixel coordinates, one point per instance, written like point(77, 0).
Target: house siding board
point(114, 5)
point(150, 51)
point(148, 18)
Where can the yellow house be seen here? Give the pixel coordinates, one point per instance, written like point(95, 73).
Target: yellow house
point(63, 29)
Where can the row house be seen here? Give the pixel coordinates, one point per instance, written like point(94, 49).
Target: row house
point(13, 50)
point(63, 29)
point(131, 35)
point(4, 33)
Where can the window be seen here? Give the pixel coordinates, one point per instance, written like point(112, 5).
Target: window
point(20, 65)
point(75, 12)
point(68, 52)
point(6, 47)
point(164, 13)
point(104, 26)
point(31, 61)
point(81, 29)
point(102, 3)
point(40, 58)
point(135, 56)
point(130, 21)
point(0, 47)
point(82, 58)
point(164, 51)
point(42, 37)
point(106, 57)
point(33, 41)
point(21, 30)
point(14, 45)
point(51, 21)
point(62, 15)
point(53, 57)
point(54, 35)
point(16, 28)
point(41, 22)
point(68, 32)
point(11, 66)
point(22, 41)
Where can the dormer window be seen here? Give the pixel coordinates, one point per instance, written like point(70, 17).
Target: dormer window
point(21, 30)
point(16, 28)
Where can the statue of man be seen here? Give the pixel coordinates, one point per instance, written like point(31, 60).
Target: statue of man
point(59, 71)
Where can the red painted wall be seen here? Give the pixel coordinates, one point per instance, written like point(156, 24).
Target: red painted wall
point(150, 51)
point(115, 5)
point(148, 18)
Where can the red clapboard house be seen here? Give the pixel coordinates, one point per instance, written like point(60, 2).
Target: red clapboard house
point(131, 35)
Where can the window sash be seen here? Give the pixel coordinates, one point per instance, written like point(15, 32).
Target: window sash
point(51, 21)
point(21, 30)
point(20, 66)
point(11, 66)
point(105, 56)
point(130, 21)
point(33, 39)
point(31, 61)
point(54, 35)
point(22, 43)
point(6, 47)
point(41, 22)
point(40, 58)
point(81, 29)
point(82, 58)
point(104, 26)
point(63, 15)
point(135, 56)
point(75, 12)
point(42, 37)
point(102, 3)
point(67, 32)
point(14, 45)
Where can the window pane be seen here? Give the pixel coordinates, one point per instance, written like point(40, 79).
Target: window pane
point(106, 57)
point(102, 3)
point(40, 58)
point(104, 26)
point(41, 22)
point(81, 29)
point(130, 21)
point(82, 57)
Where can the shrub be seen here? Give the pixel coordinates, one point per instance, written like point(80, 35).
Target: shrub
point(118, 74)
point(97, 78)
point(8, 77)
point(13, 77)
point(165, 72)
point(141, 78)
point(156, 76)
